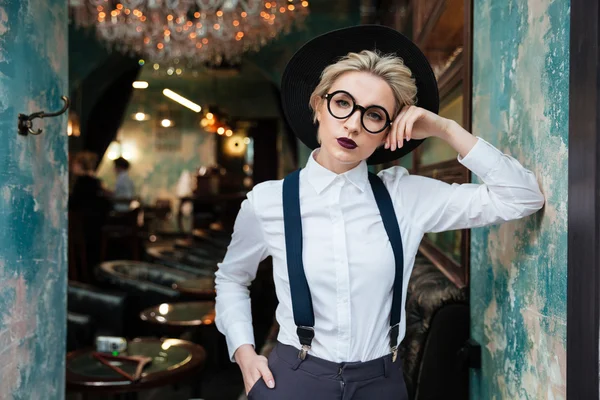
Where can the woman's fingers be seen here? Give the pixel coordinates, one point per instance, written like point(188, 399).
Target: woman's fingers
point(257, 369)
point(401, 125)
point(266, 375)
point(410, 123)
point(253, 378)
point(260, 370)
point(391, 139)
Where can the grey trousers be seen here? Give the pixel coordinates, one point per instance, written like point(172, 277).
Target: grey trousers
point(318, 379)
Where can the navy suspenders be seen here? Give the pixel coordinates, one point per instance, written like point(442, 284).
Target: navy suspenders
point(304, 316)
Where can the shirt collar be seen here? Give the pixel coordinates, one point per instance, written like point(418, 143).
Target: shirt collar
point(320, 177)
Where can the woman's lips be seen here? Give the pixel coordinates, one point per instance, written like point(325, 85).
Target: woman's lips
point(347, 143)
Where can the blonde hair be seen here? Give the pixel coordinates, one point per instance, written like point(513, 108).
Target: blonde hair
point(387, 67)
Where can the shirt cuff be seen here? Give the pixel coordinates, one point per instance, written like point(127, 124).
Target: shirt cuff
point(238, 334)
point(482, 159)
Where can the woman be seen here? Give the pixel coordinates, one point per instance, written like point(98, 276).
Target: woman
point(344, 241)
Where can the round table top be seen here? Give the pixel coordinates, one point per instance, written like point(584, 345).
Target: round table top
point(189, 246)
point(183, 260)
point(195, 313)
point(204, 236)
point(201, 288)
point(172, 360)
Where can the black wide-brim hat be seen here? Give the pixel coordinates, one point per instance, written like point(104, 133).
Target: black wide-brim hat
point(303, 73)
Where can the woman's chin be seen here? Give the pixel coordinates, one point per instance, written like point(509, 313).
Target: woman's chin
point(345, 156)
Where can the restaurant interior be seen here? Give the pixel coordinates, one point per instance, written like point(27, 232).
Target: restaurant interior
point(175, 115)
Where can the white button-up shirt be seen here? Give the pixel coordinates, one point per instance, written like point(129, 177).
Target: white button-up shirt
point(348, 259)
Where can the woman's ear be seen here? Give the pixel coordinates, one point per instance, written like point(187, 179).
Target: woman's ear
point(318, 109)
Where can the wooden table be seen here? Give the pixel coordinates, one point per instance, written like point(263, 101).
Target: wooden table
point(195, 313)
point(193, 320)
point(200, 289)
point(172, 361)
point(194, 263)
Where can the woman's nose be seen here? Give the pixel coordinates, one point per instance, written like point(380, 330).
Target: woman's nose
point(352, 123)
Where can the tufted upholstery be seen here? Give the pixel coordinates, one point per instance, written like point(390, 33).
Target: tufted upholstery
point(92, 312)
point(80, 332)
point(437, 326)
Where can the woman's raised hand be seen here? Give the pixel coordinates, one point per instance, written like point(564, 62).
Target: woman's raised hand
point(415, 123)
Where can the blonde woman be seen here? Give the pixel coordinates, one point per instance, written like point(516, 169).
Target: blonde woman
point(343, 240)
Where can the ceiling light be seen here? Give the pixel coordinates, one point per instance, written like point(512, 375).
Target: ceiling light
point(182, 100)
point(140, 84)
point(140, 116)
point(114, 150)
point(221, 130)
point(166, 123)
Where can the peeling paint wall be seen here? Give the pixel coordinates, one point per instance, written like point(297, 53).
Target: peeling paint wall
point(33, 200)
point(519, 269)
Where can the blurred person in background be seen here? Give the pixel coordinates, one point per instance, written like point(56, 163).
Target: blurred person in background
point(88, 204)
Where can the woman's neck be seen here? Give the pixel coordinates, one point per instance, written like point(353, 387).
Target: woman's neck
point(326, 161)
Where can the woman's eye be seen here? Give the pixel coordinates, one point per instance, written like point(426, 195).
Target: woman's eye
point(342, 103)
point(374, 116)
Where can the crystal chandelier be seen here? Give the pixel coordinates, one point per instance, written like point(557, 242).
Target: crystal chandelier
point(193, 31)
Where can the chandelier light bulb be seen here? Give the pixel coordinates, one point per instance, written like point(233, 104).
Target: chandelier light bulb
point(198, 32)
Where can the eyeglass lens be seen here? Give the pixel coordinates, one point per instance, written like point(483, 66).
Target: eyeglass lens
point(341, 105)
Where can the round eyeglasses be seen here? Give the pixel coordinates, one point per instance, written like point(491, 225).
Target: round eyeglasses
point(341, 105)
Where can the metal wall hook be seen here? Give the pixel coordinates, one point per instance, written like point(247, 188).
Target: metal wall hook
point(25, 121)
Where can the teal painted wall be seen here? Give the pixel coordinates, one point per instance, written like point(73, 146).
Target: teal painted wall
point(519, 269)
point(33, 200)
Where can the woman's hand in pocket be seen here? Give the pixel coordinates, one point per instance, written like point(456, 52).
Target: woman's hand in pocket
point(254, 367)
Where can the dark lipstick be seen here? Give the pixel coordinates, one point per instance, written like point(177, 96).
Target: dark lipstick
point(347, 143)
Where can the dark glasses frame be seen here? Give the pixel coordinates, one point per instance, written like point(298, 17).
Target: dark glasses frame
point(362, 110)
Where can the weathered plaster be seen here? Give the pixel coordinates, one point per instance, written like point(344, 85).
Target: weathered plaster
point(519, 269)
point(33, 200)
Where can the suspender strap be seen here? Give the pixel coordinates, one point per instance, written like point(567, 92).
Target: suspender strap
point(304, 316)
point(390, 222)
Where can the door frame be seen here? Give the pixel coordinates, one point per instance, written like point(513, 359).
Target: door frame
point(583, 288)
